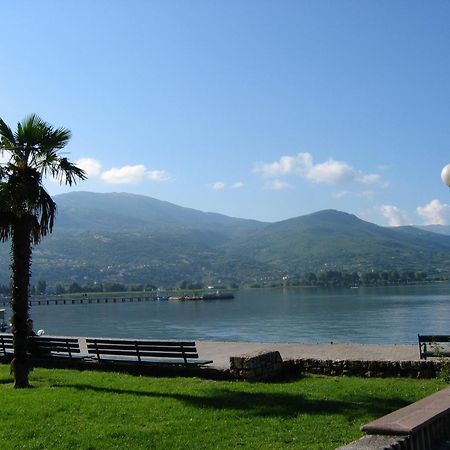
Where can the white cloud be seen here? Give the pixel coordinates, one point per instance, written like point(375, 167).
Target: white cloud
point(329, 172)
point(368, 195)
point(158, 175)
point(277, 185)
point(124, 175)
point(394, 215)
point(435, 212)
point(371, 178)
point(287, 165)
point(133, 174)
point(92, 167)
point(340, 194)
point(218, 185)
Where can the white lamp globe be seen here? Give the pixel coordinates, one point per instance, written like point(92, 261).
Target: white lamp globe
point(445, 175)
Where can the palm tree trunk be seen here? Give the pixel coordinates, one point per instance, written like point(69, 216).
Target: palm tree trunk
point(20, 266)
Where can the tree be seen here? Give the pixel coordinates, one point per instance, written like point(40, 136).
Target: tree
point(114, 287)
point(310, 278)
point(59, 289)
point(41, 287)
point(74, 288)
point(27, 212)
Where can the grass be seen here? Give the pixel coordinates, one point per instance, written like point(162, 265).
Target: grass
point(67, 409)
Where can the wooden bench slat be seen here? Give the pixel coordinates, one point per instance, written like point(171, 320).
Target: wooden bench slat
point(164, 361)
point(137, 351)
point(49, 347)
point(57, 349)
point(6, 344)
point(43, 346)
point(140, 341)
point(65, 341)
point(144, 354)
point(435, 354)
point(56, 344)
point(431, 340)
point(434, 338)
point(143, 350)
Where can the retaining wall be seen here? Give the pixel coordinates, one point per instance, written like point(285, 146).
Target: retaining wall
point(381, 369)
point(257, 366)
point(269, 365)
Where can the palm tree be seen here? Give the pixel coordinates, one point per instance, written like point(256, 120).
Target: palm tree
point(27, 212)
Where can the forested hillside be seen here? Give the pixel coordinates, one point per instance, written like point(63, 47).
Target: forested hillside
point(129, 238)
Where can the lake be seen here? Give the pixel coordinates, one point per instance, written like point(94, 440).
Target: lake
point(365, 315)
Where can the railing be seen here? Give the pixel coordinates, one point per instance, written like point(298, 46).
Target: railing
point(80, 300)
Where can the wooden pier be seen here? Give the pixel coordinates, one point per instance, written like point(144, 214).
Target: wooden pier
point(81, 300)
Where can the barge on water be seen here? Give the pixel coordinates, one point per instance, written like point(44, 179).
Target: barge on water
point(206, 296)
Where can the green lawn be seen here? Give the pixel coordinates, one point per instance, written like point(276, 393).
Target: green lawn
point(67, 409)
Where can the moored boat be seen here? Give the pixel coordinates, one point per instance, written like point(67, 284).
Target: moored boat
point(185, 297)
point(217, 295)
point(205, 296)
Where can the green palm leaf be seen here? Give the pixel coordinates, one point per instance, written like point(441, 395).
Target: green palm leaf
point(6, 134)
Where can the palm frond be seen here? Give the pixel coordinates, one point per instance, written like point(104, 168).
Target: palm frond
point(6, 217)
point(56, 138)
point(30, 131)
point(3, 172)
point(34, 150)
point(67, 172)
point(45, 212)
point(6, 134)
point(5, 225)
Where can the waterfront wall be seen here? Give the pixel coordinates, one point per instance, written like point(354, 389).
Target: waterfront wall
point(380, 369)
point(257, 366)
point(261, 366)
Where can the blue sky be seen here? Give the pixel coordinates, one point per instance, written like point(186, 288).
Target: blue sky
point(255, 109)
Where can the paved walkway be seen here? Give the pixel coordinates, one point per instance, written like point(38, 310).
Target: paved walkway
point(220, 352)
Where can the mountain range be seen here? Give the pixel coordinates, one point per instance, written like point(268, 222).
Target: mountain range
point(129, 238)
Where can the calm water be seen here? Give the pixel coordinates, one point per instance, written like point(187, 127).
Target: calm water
point(365, 315)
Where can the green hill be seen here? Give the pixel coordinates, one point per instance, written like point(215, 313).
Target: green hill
point(335, 240)
point(136, 239)
point(88, 211)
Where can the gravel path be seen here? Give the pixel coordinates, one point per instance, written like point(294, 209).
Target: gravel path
point(220, 352)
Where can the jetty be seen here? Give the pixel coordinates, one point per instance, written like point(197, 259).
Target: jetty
point(86, 299)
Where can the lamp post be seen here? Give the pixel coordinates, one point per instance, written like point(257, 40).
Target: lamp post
point(445, 175)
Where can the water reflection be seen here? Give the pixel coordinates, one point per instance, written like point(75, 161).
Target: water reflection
point(366, 315)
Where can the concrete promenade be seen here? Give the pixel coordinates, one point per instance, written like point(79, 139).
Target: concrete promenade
point(220, 352)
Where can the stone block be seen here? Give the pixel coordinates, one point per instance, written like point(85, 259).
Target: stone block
point(257, 365)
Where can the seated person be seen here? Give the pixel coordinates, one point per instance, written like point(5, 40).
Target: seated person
point(30, 330)
point(33, 347)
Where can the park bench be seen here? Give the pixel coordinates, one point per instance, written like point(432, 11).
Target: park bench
point(49, 346)
point(429, 345)
point(44, 346)
point(6, 344)
point(145, 351)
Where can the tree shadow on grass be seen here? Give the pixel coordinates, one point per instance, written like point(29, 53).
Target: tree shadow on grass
point(264, 404)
